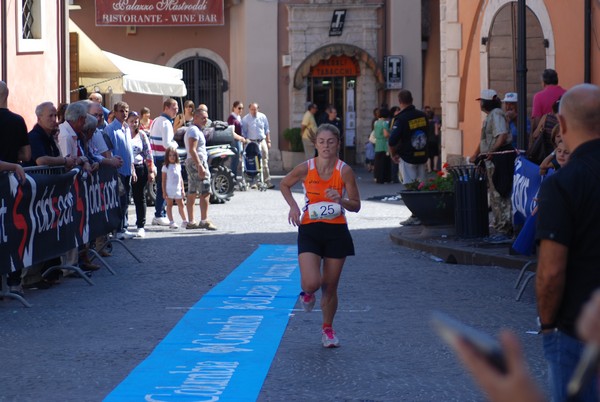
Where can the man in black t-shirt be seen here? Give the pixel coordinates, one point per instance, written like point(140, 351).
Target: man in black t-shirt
point(568, 230)
point(14, 148)
point(14, 144)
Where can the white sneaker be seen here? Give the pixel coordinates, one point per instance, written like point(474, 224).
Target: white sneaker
point(126, 234)
point(184, 224)
point(307, 300)
point(329, 339)
point(141, 233)
point(162, 221)
point(412, 221)
point(173, 225)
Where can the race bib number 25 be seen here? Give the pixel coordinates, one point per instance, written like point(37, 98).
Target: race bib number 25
point(324, 210)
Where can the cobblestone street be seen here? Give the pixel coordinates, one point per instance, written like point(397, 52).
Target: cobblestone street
point(78, 342)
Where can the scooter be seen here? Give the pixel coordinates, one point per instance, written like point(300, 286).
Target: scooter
point(222, 179)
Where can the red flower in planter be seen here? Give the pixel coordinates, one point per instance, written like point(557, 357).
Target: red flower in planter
point(441, 182)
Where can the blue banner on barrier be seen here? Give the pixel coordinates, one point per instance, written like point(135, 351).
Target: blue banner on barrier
point(222, 349)
point(526, 184)
point(51, 214)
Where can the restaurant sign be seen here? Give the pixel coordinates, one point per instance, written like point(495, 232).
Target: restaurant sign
point(159, 12)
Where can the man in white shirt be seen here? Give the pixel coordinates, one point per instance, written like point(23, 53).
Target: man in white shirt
point(255, 127)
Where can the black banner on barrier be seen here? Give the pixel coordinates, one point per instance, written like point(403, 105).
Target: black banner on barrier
point(51, 214)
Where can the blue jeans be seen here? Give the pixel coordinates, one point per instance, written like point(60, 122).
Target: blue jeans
point(124, 201)
point(562, 352)
point(159, 204)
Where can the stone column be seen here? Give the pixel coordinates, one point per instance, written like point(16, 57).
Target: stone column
point(450, 46)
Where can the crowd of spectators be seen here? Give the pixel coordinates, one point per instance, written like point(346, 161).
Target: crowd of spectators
point(85, 134)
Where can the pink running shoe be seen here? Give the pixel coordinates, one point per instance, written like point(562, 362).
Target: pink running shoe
point(329, 339)
point(308, 301)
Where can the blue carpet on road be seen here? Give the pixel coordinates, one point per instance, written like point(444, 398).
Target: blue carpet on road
point(222, 349)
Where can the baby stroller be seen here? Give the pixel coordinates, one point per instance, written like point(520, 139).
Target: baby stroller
point(252, 172)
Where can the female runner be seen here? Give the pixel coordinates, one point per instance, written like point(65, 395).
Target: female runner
point(330, 190)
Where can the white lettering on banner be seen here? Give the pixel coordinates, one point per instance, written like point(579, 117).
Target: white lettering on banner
point(275, 273)
point(110, 191)
point(53, 212)
point(236, 331)
point(519, 197)
point(101, 197)
point(258, 298)
point(207, 379)
point(3, 235)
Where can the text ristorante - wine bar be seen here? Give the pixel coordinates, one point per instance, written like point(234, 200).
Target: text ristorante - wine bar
point(159, 12)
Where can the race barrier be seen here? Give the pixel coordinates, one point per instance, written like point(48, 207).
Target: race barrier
point(50, 214)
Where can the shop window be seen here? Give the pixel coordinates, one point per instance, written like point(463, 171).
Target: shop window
point(31, 27)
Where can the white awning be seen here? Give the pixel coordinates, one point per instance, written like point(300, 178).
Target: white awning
point(98, 68)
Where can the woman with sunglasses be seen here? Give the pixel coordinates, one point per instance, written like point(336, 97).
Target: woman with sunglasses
point(185, 119)
point(235, 119)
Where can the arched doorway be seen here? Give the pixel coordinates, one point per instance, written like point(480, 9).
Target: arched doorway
point(328, 84)
point(502, 51)
point(352, 95)
point(205, 84)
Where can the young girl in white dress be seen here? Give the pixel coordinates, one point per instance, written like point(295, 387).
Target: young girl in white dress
point(172, 183)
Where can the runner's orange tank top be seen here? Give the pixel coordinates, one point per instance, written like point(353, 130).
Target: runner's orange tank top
point(317, 207)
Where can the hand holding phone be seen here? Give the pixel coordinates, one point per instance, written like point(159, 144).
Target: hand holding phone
point(451, 331)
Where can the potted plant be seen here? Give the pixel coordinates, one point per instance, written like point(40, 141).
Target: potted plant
point(295, 155)
point(432, 200)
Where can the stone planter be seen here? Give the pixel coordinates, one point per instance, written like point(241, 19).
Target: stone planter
point(291, 159)
point(431, 207)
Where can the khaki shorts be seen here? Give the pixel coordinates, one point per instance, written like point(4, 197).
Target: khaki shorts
point(195, 183)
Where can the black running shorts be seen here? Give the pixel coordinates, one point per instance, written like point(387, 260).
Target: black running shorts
point(327, 240)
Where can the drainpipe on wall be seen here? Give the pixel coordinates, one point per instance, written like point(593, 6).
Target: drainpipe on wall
point(4, 22)
point(521, 75)
point(587, 31)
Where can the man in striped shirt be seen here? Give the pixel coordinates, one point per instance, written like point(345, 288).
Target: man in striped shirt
point(161, 137)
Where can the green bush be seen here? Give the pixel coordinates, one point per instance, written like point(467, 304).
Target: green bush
point(294, 136)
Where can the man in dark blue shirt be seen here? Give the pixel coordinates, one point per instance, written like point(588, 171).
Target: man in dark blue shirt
point(44, 150)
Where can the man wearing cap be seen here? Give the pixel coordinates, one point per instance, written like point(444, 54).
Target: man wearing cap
point(510, 109)
point(495, 138)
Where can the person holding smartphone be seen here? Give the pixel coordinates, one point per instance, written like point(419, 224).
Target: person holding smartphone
point(517, 384)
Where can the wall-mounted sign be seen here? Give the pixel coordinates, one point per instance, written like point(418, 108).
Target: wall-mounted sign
point(159, 12)
point(393, 71)
point(337, 23)
point(350, 133)
point(336, 66)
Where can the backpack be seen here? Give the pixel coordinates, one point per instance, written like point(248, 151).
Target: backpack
point(540, 142)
